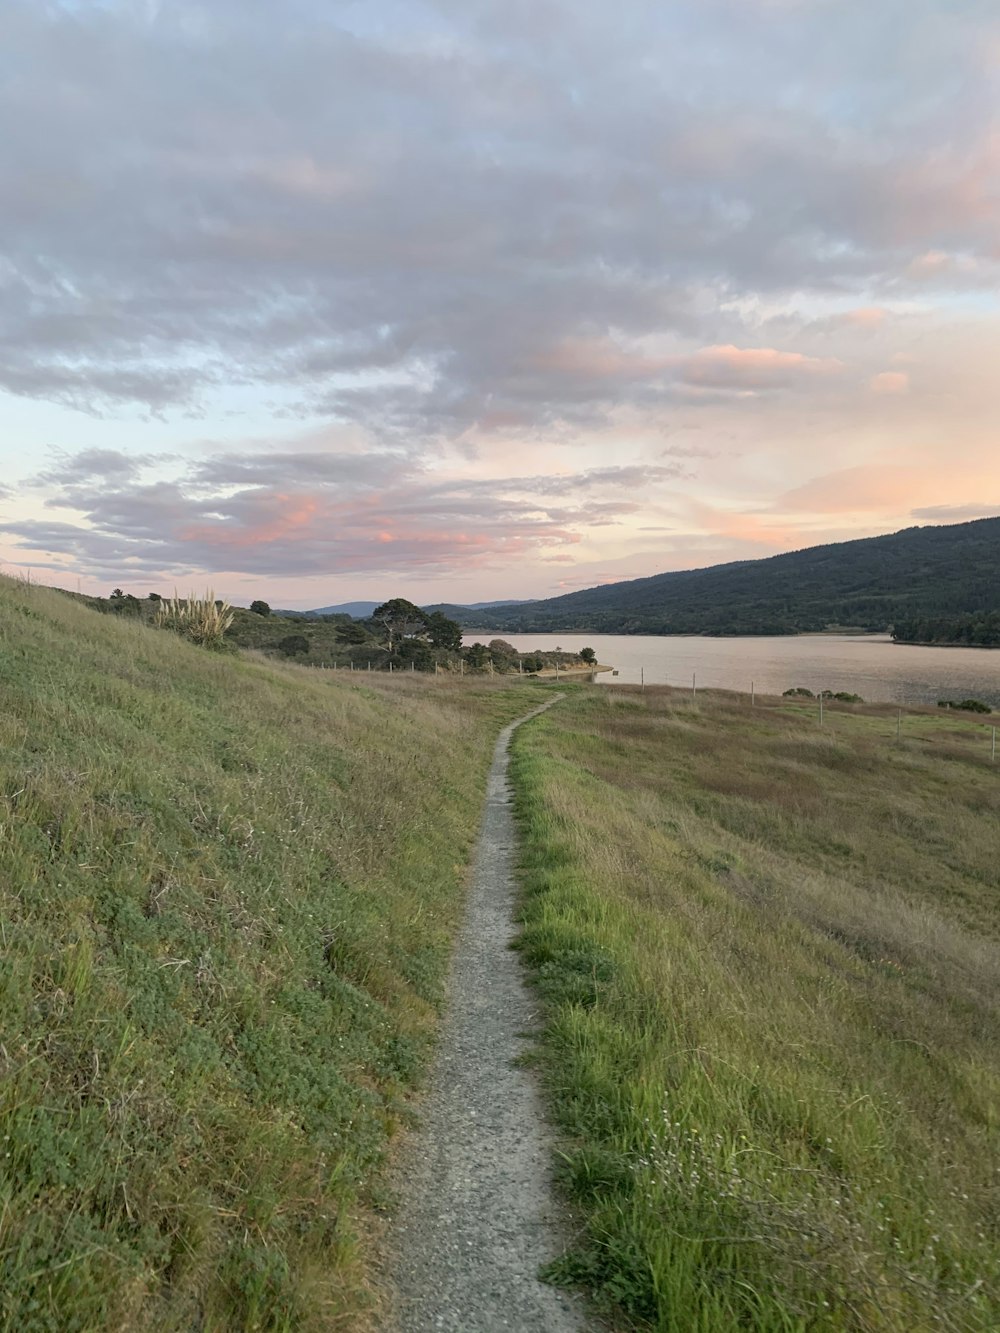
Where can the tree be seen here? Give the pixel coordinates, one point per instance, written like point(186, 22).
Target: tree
point(260, 608)
point(477, 655)
point(588, 655)
point(444, 633)
point(293, 644)
point(416, 653)
point(399, 619)
point(352, 632)
point(117, 595)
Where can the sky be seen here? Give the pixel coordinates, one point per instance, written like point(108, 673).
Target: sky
point(461, 300)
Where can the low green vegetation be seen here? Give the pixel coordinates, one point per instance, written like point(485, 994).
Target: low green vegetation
point(842, 696)
point(769, 958)
point(398, 636)
point(228, 891)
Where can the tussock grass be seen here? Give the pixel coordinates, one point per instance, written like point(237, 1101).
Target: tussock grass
point(769, 955)
point(227, 897)
point(203, 620)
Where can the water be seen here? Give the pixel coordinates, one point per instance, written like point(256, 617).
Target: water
point(870, 665)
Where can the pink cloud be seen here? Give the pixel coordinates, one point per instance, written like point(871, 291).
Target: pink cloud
point(890, 382)
point(726, 367)
point(286, 517)
point(929, 264)
point(744, 528)
point(869, 488)
point(866, 317)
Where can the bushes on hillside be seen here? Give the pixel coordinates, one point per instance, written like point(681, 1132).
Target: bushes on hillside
point(842, 696)
point(293, 645)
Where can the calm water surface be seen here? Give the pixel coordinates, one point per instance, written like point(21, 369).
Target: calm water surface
point(870, 665)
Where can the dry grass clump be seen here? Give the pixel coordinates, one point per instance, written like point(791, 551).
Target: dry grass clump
point(773, 1042)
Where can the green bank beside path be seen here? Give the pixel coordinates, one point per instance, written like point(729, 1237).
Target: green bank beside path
point(769, 956)
point(228, 890)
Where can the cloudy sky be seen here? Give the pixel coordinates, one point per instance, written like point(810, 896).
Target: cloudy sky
point(458, 299)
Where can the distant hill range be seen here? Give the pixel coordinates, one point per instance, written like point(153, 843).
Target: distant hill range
point(356, 610)
point(868, 584)
point(362, 610)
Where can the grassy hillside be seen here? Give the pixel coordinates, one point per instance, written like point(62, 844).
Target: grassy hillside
point(228, 889)
point(770, 959)
point(933, 571)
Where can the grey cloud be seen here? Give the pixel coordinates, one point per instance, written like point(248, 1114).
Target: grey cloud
point(284, 469)
point(202, 195)
point(91, 465)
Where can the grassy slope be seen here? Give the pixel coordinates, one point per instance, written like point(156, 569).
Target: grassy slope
point(770, 956)
point(227, 894)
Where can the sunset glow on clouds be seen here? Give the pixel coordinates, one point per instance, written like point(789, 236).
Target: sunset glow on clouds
point(467, 300)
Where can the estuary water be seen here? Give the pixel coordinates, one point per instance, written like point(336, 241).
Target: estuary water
point(870, 665)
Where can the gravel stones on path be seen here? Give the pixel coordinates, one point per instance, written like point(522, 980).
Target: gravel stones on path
point(477, 1216)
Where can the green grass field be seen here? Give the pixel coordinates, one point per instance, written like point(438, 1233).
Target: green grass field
point(228, 890)
point(770, 955)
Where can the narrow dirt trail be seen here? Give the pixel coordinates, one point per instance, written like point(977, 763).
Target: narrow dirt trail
point(477, 1216)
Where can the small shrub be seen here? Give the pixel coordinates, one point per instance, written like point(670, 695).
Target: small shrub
point(260, 608)
point(799, 692)
point(966, 705)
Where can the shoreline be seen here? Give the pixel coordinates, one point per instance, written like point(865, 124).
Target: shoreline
point(920, 643)
point(554, 673)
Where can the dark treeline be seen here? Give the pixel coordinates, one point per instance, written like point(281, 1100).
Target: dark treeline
point(979, 630)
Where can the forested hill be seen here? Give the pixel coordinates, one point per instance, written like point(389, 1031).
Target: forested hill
point(870, 583)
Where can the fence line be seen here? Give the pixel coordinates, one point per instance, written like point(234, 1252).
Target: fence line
point(821, 697)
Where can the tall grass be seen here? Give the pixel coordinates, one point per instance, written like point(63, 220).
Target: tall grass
point(773, 1010)
point(227, 894)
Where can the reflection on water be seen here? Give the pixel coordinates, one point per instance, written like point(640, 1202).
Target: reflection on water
point(869, 665)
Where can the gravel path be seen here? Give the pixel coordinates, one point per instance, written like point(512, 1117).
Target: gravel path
point(477, 1216)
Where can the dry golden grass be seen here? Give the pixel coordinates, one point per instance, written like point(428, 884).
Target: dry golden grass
point(774, 1035)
